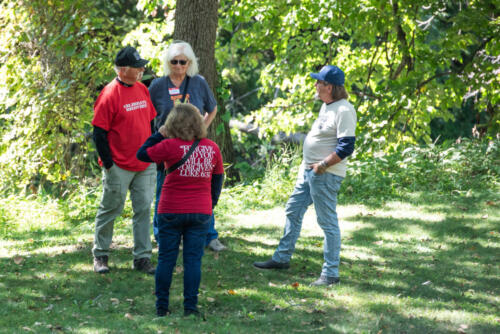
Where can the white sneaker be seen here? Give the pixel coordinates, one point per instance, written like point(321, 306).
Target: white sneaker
point(216, 245)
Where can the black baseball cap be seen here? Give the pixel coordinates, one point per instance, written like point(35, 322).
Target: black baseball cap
point(128, 56)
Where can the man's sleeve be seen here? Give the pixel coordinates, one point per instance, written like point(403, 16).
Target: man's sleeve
point(100, 137)
point(346, 132)
point(103, 110)
point(345, 147)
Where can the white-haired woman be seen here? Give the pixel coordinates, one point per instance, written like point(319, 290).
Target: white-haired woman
point(182, 83)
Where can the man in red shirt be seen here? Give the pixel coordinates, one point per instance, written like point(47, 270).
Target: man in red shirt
point(123, 120)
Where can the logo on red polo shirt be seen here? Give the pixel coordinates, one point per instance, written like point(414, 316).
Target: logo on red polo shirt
point(136, 105)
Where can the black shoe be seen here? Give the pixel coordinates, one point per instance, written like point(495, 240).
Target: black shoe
point(101, 264)
point(144, 264)
point(161, 312)
point(271, 264)
point(189, 312)
point(325, 281)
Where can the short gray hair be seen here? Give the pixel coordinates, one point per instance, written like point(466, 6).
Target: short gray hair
point(178, 48)
point(118, 68)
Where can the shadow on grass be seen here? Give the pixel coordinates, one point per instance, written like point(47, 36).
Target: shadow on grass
point(452, 268)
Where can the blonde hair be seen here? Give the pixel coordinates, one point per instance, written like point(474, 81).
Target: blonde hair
point(178, 48)
point(185, 122)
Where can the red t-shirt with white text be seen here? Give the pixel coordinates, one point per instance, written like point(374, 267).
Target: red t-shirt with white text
point(126, 114)
point(188, 188)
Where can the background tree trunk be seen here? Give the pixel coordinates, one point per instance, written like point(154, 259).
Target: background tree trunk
point(196, 23)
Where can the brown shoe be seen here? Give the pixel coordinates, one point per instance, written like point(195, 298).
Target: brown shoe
point(144, 264)
point(101, 264)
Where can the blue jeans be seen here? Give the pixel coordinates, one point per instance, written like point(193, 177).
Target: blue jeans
point(192, 228)
point(160, 178)
point(322, 191)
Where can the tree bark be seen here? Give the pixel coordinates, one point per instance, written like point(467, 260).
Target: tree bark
point(196, 23)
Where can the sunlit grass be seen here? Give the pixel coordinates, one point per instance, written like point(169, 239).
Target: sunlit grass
point(401, 272)
point(411, 262)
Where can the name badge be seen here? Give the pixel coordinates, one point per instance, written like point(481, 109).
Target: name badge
point(174, 91)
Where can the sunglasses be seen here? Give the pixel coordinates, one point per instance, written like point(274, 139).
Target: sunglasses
point(175, 62)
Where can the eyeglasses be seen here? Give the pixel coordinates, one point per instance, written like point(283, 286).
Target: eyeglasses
point(175, 62)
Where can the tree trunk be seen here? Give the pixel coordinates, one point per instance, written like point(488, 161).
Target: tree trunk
point(196, 23)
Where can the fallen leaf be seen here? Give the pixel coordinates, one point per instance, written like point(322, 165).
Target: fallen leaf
point(216, 255)
point(231, 292)
point(295, 285)
point(114, 301)
point(210, 299)
point(18, 259)
point(179, 269)
point(129, 316)
point(490, 203)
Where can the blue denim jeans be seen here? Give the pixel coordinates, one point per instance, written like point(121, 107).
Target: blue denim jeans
point(192, 228)
point(322, 191)
point(160, 178)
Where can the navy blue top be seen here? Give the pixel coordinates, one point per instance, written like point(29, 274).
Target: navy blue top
point(345, 146)
point(163, 94)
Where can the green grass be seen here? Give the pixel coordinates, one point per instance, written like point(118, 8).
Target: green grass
point(420, 254)
point(427, 267)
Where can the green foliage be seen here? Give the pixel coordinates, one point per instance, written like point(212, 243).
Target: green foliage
point(451, 170)
point(407, 62)
point(55, 56)
point(51, 73)
point(264, 188)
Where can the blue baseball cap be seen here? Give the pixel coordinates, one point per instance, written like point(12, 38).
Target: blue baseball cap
point(331, 74)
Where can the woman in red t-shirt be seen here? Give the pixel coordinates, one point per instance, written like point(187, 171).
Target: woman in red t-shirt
point(187, 198)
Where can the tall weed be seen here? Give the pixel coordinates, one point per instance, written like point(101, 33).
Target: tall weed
point(443, 170)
